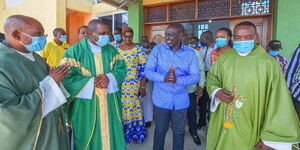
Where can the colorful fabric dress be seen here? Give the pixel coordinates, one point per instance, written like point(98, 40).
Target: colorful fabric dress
point(215, 54)
point(132, 116)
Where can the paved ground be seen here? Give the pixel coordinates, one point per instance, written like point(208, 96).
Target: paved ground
point(188, 144)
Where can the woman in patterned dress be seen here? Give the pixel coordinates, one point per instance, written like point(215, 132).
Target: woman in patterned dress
point(133, 87)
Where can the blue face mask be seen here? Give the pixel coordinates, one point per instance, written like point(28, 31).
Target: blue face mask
point(273, 53)
point(221, 42)
point(117, 37)
point(102, 40)
point(192, 45)
point(202, 44)
point(243, 47)
point(37, 43)
point(63, 38)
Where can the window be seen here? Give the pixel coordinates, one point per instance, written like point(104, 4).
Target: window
point(255, 7)
point(202, 28)
point(119, 20)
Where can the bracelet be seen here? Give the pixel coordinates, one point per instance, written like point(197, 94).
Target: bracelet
point(143, 87)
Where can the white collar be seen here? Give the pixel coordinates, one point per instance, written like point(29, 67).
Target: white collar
point(26, 55)
point(95, 48)
point(244, 54)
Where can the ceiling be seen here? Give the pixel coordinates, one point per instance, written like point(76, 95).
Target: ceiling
point(120, 4)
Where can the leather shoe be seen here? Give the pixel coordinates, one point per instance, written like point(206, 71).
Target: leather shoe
point(196, 139)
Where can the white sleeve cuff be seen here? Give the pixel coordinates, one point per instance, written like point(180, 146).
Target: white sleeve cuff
point(214, 100)
point(87, 91)
point(64, 91)
point(113, 85)
point(280, 145)
point(52, 95)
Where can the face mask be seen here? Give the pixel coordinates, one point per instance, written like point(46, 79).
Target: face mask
point(37, 43)
point(192, 45)
point(221, 42)
point(243, 47)
point(102, 40)
point(63, 38)
point(202, 44)
point(117, 37)
point(273, 53)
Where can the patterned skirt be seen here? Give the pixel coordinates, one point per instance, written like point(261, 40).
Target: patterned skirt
point(132, 116)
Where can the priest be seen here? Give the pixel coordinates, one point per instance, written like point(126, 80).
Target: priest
point(30, 93)
point(251, 105)
point(94, 85)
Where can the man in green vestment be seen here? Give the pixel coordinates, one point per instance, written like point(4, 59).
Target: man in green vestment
point(251, 105)
point(30, 95)
point(94, 83)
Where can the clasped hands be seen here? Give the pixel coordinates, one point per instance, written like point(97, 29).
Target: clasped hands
point(101, 81)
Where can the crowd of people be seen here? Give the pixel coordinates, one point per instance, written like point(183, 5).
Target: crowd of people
point(103, 92)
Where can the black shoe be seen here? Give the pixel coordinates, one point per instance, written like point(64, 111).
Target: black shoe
point(196, 139)
point(148, 124)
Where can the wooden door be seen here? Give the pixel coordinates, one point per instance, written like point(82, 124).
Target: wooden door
point(263, 27)
point(156, 33)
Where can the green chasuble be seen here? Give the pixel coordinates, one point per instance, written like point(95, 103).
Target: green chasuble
point(262, 107)
point(96, 122)
point(21, 125)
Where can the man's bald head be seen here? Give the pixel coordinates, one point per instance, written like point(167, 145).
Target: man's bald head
point(92, 26)
point(19, 29)
point(97, 28)
point(18, 22)
point(177, 26)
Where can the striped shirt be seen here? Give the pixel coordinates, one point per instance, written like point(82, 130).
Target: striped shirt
point(292, 73)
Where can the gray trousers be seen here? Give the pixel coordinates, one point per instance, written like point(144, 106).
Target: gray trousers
point(162, 119)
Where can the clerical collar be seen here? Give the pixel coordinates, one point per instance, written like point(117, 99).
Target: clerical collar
point(95, 48)
point(26, 55)
point(244, 54)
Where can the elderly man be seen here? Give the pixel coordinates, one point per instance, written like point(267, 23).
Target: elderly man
point(172, 66)
point(95, 106)
point(29, 93)
point(251, 104)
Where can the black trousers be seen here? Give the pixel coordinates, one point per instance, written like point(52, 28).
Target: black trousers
point(204, 104)
point(162, 119)
point(191, 114)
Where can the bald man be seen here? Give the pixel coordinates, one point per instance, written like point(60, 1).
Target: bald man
point(56, 49)
point(172, 66)
point(30, 93)
point(95, 106)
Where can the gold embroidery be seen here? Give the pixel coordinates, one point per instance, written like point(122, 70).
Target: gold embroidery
point(78, 93)
point(40, 124)
point(117, 108)
point(228, 121)
point(77, 64)
point(60, 127)
point(89, 141)
point(117, 57)
point(101, 93)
